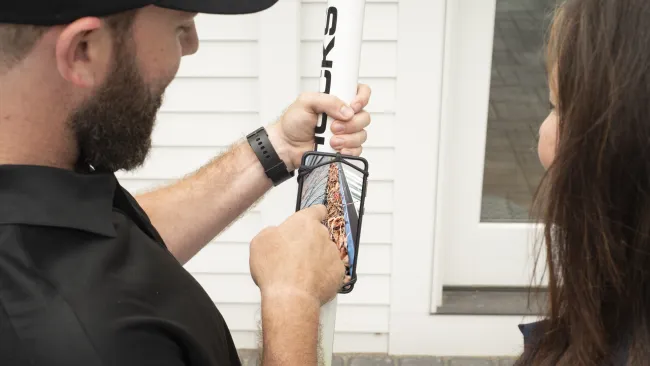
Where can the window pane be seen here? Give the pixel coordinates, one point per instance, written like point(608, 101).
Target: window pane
point(518, 105)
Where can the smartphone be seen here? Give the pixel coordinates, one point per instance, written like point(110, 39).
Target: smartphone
point(339, 182)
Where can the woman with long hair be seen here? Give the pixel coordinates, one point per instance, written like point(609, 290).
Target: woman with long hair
point(594, 200)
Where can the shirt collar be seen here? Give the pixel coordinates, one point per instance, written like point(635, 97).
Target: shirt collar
point(46, 196)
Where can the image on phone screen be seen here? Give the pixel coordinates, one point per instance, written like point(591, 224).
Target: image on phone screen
point(340, 185)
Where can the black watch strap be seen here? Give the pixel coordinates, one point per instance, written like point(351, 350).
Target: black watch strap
point(273, 166)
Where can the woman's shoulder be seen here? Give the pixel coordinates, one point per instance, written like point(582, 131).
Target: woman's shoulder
point(532, 333)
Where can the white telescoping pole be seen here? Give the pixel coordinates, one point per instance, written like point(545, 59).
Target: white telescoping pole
point(341, 52)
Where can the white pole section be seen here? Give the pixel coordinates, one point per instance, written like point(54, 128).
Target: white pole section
point(340, 77)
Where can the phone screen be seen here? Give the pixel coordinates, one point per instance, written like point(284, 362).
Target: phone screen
point(338, 182)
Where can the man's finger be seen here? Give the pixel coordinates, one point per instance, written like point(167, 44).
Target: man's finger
point(362, 98)
point(352, 152)
point(359, 122)
point(318, 212)
point(326, 103)
point(350, 141)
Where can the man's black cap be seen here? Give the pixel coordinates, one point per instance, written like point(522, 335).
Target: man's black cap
point(56, 12)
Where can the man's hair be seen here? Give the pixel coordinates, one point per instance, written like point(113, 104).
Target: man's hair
point(17, 40)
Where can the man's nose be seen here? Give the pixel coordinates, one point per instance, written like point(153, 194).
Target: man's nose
point(190, 41)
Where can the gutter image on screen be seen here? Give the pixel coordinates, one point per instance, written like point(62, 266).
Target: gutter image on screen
point(340, 188)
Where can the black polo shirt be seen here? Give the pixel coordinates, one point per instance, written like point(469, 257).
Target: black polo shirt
point(85, 279)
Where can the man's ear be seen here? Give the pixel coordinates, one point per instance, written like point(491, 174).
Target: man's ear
point(83, 52)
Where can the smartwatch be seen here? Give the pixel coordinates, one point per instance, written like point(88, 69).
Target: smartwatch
point(273, 166)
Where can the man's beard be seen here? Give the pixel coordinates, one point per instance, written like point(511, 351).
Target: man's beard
point(113, 129)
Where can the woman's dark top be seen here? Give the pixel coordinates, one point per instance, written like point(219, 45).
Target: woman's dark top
point(531, 332)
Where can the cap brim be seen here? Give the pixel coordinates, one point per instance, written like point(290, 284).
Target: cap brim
point(226, 7)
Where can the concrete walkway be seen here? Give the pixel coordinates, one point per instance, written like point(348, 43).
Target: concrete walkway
point(249, 358)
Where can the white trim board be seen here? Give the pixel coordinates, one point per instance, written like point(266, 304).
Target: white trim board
point(463, 336)
point(421, 27)
point(420, 47)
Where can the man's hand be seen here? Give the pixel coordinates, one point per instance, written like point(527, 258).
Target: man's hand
point(293, 134)
point(298, 258)
point(298, 269)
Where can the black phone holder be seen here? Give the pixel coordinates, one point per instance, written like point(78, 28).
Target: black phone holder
point(314, 159)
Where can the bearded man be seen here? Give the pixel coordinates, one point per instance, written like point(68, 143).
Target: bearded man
point(90, 275)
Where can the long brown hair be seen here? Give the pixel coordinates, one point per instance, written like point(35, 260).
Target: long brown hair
point(595, 198)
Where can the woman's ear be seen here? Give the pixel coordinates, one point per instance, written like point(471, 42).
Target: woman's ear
point(548, 140)
point(83, 51)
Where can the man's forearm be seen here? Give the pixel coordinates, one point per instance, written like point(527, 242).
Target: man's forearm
point(191, 212)
point(290, 330)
